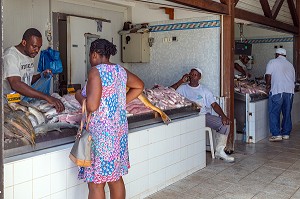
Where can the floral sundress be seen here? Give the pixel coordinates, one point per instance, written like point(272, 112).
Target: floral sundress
point(109, 129)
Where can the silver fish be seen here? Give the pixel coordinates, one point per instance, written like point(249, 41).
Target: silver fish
point(53, 120)
point(39, 116)
point(50, 113)
point(67, 105)
point(23, 103)
point(33, 120)
point(8, 131)
point(20, 122)
point(16, 106)
point(45, 107)
point(53, 127)
point(37, 103)
point(41, 105)
point(148, 104)
point(9, 119)
point(26, 121)
point(11, 133)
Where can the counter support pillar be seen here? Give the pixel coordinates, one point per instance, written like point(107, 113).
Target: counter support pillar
point(227, 68)
point(297, 45)
point(1, 107)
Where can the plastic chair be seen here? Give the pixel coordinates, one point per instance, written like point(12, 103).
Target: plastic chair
point(211, 141)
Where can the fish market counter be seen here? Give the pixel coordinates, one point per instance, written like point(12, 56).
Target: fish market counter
point(55, 134)
point(251, 114)
point(159, 155)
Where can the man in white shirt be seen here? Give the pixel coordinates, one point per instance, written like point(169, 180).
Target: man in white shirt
point(280, 82)
point(204, 98)
point(19, 70)
point(240, 67)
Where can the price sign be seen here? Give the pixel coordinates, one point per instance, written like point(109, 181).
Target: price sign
point(15, 97)
point(71, 90)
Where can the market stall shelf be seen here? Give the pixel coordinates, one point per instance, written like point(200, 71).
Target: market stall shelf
point(251, 114)
point(55, 138)
point(159, 156)
point(43, 141)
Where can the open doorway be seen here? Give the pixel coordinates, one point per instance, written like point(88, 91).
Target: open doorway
point(89, 38)
point(257, 46)
point(72, 37)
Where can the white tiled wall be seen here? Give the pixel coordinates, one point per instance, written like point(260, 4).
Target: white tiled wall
point(194, 48)
point(264, 52)
point(159, 156)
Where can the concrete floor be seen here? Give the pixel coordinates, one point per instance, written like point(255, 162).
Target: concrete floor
point(265, 170)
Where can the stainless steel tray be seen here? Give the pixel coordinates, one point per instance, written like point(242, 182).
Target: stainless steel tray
point(137, 121)
point(43, 141)
point(253, 97)
point(55, 138)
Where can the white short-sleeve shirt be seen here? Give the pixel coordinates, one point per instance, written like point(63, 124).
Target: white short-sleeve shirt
point(200, 95)
point(282, 75)
point(17, 64)
point(239, 62)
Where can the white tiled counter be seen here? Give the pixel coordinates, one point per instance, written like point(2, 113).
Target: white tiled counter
point(258, 120)
point(159, 155)
point(295, 109)
point(259, 117)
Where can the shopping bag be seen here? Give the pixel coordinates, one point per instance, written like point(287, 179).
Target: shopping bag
point(81, 151)
point(50, 59)
point(43, 85)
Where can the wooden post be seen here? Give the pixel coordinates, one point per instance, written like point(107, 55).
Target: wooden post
point(227, 68)
point(170, 12)
point(297, 45)
point(1, 107)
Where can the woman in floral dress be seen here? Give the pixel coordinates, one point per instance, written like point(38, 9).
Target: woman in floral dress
point(106, 99)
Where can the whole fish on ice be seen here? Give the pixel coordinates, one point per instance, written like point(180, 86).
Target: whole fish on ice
point(147, 103)
point(53, 127)
point(39, 115)
point(20, 127)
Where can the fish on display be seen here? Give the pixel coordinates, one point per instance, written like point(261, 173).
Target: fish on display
point(41, 105)
point(33, 120)
point(26, 121)
point(45, 107)
point(8, 131)
point(10, 137)
point(32, 105)
point(147, 103)
point(51, 113)
point(14, 121)
point(53, 120)
point(17, 106)
point(39, 116)
point(53, 127)
point(68, 106)
point(19, 120)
